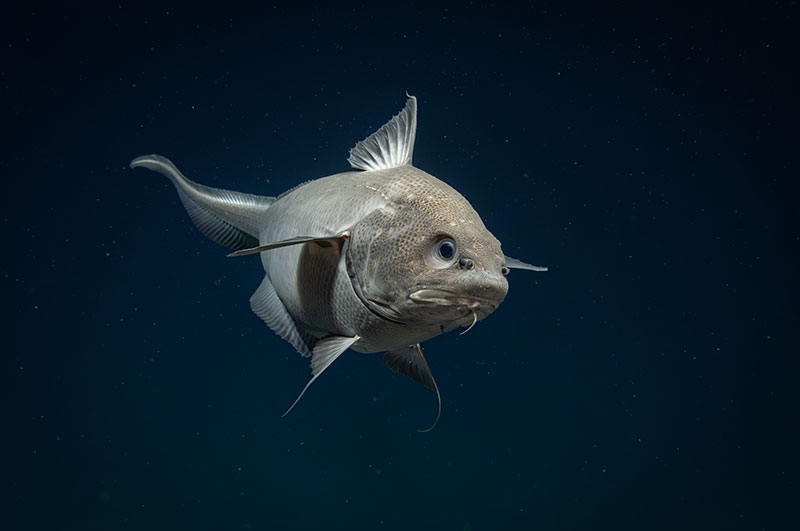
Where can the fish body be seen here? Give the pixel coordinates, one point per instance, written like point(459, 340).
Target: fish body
point(379, 259)
point(323, 300)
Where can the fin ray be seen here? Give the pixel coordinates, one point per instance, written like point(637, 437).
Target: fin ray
point(326, 351)
point(269, 307)
point(229, 218)
point(390, 146)
point(410, 361)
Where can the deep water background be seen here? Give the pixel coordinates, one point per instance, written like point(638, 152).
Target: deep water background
point(647, 154)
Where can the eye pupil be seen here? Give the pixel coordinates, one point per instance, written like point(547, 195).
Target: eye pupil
point(447, 249)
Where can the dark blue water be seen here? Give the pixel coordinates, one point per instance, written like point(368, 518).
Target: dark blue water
point(647, 155)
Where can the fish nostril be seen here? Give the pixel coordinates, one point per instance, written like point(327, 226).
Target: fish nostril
point(466, 263)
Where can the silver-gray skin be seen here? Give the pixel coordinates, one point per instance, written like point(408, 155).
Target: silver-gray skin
point(375, 260)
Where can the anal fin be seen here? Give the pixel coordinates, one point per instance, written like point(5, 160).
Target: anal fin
point(326, 351)
point(410, 362)
point(266, 304)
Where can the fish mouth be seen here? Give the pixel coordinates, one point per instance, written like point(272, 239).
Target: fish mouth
point(447, 298)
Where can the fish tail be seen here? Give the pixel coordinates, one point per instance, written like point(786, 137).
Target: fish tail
point(229, 218)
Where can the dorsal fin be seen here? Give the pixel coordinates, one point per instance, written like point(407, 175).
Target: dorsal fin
point(390, 146)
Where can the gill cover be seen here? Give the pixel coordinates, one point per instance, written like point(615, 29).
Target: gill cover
point(382, 262)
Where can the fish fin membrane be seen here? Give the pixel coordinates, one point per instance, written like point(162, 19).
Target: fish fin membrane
point(326, 351)
point(267, 305)
point(410, 361)
point(390, 146)
point(229, 218)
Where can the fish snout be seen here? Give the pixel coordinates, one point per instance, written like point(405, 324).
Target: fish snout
point(472, 293)
point(486, 289)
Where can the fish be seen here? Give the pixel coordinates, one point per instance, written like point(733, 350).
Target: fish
point(378, 259)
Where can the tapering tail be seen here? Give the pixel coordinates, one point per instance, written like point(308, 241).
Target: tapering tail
point(229, 218)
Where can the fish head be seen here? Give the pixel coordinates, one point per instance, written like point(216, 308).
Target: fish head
point(423, 266)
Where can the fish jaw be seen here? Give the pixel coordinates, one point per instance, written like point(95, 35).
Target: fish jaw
point(473, 295)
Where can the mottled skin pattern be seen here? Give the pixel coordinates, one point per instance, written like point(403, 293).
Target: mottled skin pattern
point(376, 260)
point(395, 218)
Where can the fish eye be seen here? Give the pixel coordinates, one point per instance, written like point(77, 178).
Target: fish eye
point(446, 249)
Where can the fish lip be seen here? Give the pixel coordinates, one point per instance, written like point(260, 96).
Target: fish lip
point(448, 298)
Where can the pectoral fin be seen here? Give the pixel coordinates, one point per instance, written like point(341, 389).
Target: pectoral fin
point(323, 241)
point(325, 352)
point(513, 263)
point(410, 362)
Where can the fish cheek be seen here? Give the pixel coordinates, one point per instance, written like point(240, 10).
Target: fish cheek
point(379, 258)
